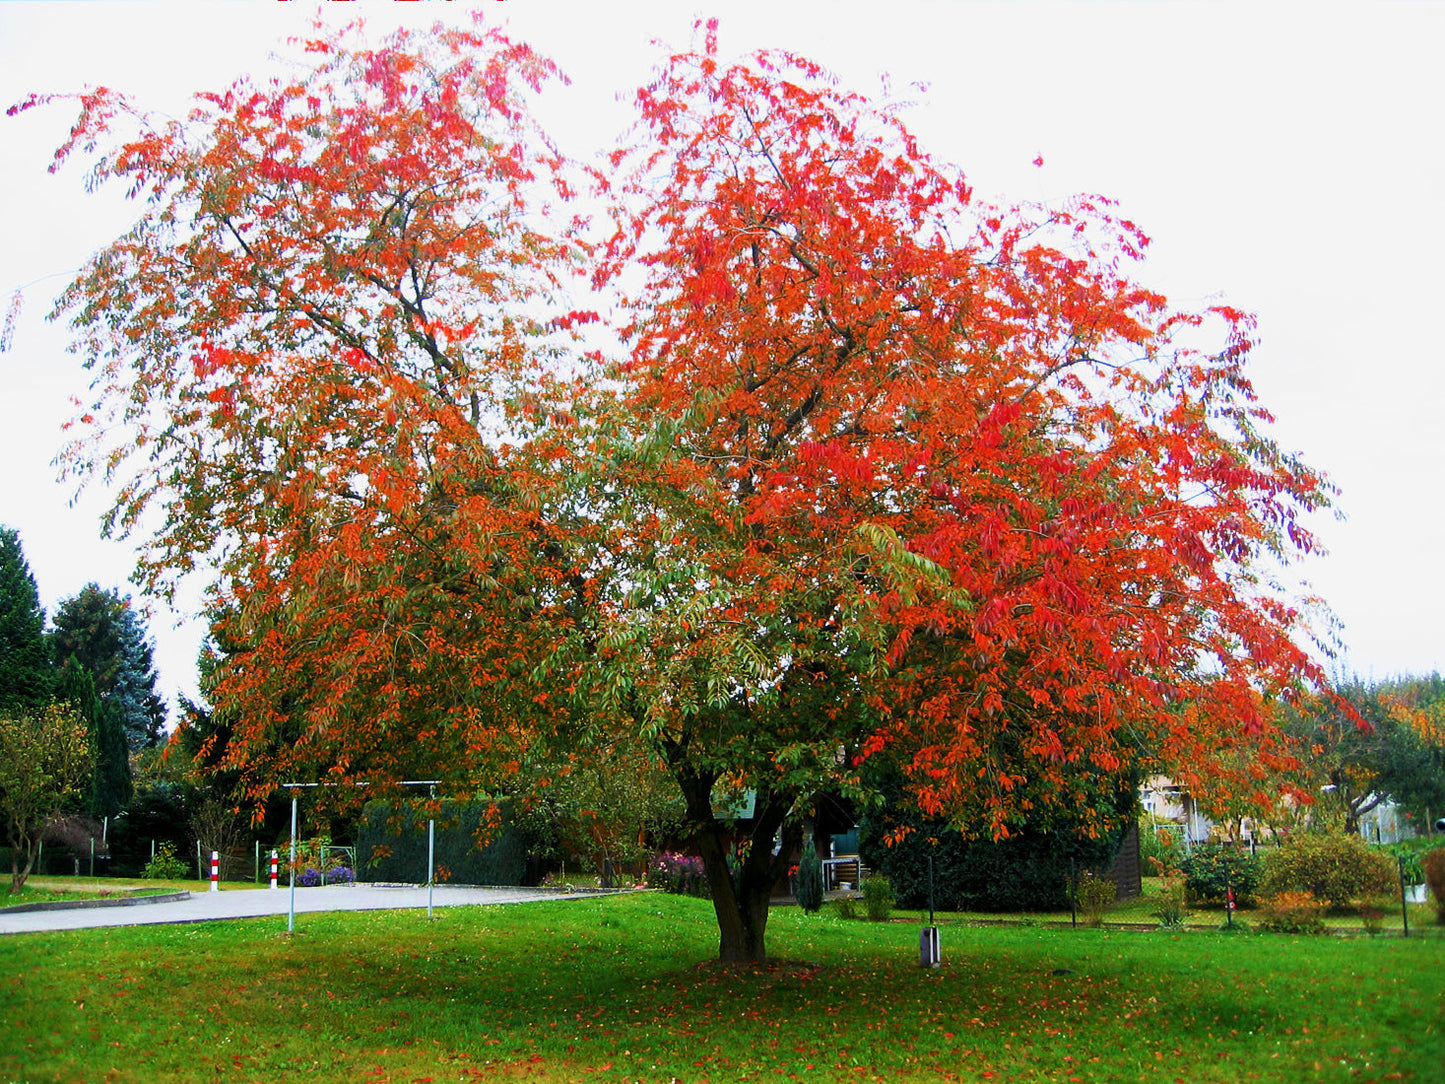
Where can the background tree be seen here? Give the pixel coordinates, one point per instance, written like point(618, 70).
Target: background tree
point(111, 785)
point(100, 631)
point(24, 659)
point(1383, 750)
point(906, 471)
point(881, 467)
point(45, 762)
point(610, 805)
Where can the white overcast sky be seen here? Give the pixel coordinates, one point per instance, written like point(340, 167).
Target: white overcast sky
point(1287, 158)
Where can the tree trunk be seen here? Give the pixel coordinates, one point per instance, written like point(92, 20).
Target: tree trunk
point(19, 873)
point(740, 901)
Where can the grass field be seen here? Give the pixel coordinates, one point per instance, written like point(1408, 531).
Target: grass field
point(621, 989)
point(69, 889)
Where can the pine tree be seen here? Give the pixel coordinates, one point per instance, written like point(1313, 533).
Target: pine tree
point(111, 786)
point(100, 631)
point(810, 878)
point(25, 677)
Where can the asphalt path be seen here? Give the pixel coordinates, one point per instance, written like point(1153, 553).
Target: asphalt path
point(259, 902)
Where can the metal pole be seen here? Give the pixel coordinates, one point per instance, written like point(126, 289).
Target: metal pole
point(1404, 902)
point(1074, 893)
point(430, 857)
point(1228, 898)
point(291, 915)
point(930, 890)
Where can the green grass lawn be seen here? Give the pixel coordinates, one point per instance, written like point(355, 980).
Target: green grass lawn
point(55, 889)
point(621, 989)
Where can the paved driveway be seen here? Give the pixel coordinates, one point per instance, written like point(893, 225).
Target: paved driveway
point(253, 903)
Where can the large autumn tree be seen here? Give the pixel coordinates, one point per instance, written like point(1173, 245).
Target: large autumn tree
point(880, 470)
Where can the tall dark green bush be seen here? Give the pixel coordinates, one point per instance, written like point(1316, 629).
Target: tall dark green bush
point(1336, 868)
point(1029, 871)
point(392, 846)
point(1209, 872)
point(810, 878)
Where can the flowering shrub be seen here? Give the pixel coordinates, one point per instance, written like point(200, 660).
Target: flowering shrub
point(679, 874)
point(311, 877)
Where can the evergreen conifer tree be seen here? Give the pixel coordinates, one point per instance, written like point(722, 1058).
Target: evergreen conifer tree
point(810, 878)
point(25, 677)
point(100, 631)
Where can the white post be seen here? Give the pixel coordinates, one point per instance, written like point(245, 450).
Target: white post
point(273, 871)
point(291, 916)
point(430, 863)
point(215, 872)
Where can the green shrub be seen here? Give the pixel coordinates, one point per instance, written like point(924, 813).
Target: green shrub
point(877, 898)
point(1408, 855)
point(809, 892)
point(847, 907)
point(1171, 913)
point(1210, 872)
point(1334, 868)
point(165, 866)
point(1433, 865)
point(1292, 912)
point(1160, 847)
point(1093, 893)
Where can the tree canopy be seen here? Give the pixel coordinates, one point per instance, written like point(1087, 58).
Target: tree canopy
point(874, 469)
point(1398, 756)
point(45, 762)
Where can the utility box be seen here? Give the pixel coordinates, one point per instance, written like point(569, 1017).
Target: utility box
point(928, 951)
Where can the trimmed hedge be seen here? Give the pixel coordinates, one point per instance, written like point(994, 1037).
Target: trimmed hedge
point(393, 847)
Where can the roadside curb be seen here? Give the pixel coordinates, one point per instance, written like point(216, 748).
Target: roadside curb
point(77, 905)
